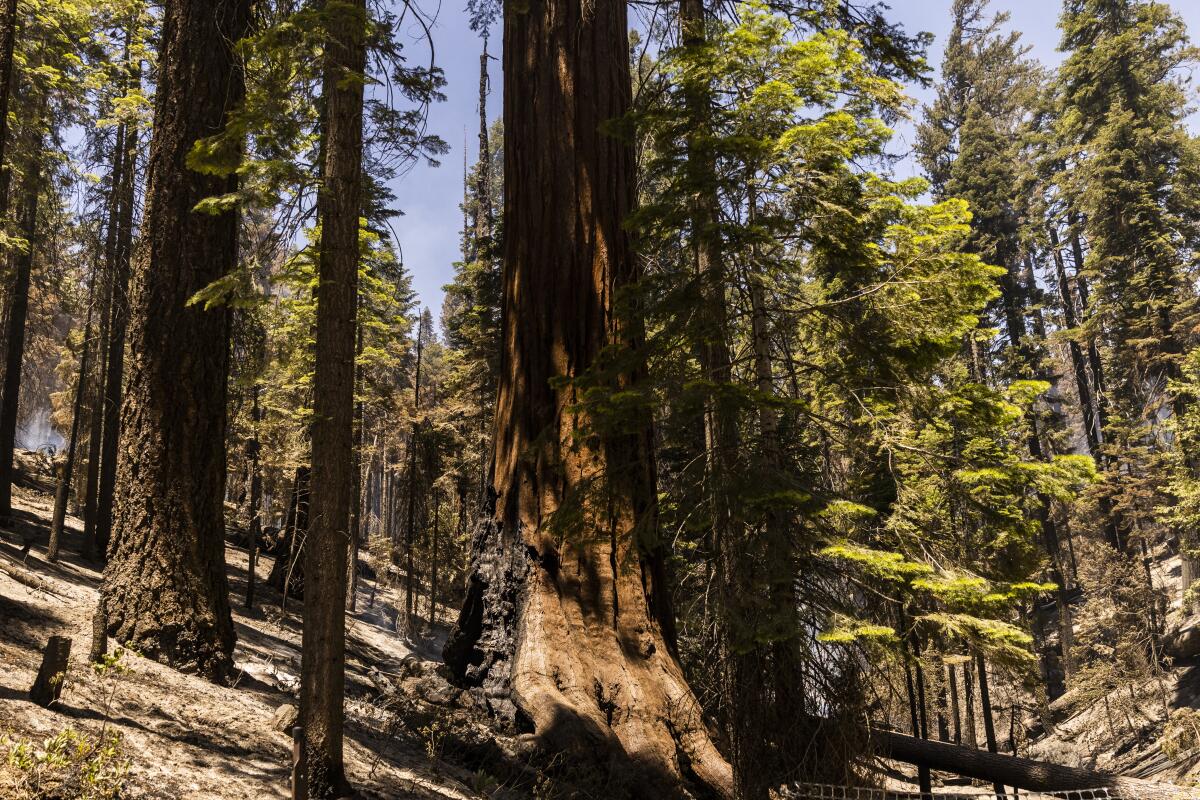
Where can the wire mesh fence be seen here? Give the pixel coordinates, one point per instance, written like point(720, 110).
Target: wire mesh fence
point(813, 791)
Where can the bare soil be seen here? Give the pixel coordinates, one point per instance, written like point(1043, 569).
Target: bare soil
point(185, 737)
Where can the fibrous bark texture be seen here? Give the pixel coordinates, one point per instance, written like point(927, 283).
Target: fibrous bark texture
point(323, 656)
point(561, 629)
point(165, 582)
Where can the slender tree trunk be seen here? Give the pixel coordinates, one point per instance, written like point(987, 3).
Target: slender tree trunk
point(165, 581)
point(100, 414)
point(955, 712)
point(118, 326)
point(1097, 367)
point(254, 527)
point(287, 573)
point(985, 702)
point(968, 668)
point(339, 203)
point(1087, 403)
point(410, 526)
point(356, 503)
point(283, 548)
point(8, 40)
point(63, 491)
point(18, 311)
point(433, 566)
point(564, 634)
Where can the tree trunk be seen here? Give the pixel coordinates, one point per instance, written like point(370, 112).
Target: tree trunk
point(1087, 403)
point(558, 627)
point(433, 566)
point(100, 413)
point(339, 203)
point(254, 526)
point(968, 668)
point(356, 491)
point(18, 311)
point(287, 574)
point(63, 491)
point(1005, 770)
point(165, 582)
point(955, 713)
point(285, 547)
point(985, 702)
point(8, 40)
point(410, 516)
point(118, 326)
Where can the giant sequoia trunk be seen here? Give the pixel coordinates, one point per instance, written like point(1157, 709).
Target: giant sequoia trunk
point(165, 584)
point(323, 656)
point(557, 628)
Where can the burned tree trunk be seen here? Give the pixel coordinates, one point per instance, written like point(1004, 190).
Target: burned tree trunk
point(165, 581)
point(557, 629)
point(48, 684)
point(17, 313)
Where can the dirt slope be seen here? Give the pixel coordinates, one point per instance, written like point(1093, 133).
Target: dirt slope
point(187, 738)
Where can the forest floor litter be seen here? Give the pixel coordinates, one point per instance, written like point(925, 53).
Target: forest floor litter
point(183, 736)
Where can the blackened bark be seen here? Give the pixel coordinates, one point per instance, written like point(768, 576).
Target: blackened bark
point(339, 203)
point(165, 581)
point(15, 340)
point(558, 628)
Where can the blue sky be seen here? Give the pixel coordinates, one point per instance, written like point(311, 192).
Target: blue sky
point(430, 196)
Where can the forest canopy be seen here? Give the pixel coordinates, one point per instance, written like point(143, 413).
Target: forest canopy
point(751, 438)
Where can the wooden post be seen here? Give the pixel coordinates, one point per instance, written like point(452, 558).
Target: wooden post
point(48, 685)
point(299, 784)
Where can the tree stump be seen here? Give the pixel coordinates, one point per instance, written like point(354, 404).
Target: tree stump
point(99, 634)
point(48, 685)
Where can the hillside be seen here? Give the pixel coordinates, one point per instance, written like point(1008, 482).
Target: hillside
point(182, 736)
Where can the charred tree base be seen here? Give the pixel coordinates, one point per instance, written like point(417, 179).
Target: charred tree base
point(480, 648)
point(606, 693)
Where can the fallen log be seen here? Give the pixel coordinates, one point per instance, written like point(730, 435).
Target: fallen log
point(1023, 773)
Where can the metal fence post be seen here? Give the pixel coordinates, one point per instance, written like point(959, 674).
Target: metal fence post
point(299, 784)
